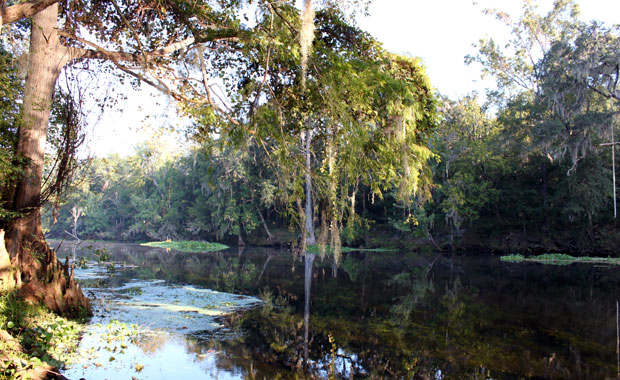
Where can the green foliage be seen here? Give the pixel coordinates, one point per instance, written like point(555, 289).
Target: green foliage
point(44, 336)
point(368, 113)
point(387, 156)
point(515, 258)
point(533, 169)
point(11, 89)
point(188, 246)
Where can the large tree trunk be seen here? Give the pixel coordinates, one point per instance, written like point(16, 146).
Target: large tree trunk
point(43, 280)
point(44, 66)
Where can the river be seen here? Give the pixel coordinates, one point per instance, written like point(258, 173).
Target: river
point(259, 313)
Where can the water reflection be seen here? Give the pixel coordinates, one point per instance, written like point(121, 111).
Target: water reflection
point(308, 262)
point(393, 315)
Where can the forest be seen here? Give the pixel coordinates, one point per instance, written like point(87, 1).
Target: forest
point(307, 136)
point(530, 170)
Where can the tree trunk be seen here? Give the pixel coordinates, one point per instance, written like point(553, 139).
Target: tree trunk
point(262, 219)
point(44, 66)
point(310, 239)
point(543, 191)
point(44, 280)
point(76, 211)
point(240, 241)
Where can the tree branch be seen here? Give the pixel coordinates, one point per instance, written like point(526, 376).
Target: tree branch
point(20, 11)
point(607, 96)
point(99, 52)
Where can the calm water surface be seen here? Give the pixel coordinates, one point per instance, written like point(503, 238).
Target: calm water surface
point(258, 313)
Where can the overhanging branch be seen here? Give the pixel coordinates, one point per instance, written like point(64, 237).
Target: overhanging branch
point(20, 11)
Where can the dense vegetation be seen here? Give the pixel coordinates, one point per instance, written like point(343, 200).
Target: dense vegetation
point(524, 171)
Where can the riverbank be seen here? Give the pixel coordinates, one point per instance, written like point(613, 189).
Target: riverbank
point(471, 241)
point(34, 342)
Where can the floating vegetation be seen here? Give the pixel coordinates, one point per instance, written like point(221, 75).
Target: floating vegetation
point(330, 249)
point(187, 246)
point(516, 258)
point(560, 259)
point(140, 325)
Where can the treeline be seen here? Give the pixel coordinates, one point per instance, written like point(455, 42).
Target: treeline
point(159, 194)
point(488, 192)
point(388, 162)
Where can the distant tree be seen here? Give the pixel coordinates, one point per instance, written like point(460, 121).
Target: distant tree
point(464, 142)
point(548, 69)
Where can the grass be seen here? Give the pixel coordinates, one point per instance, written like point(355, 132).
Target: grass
point(560, 259)
point(33, 339)
point(187, 246)
point(330, 249)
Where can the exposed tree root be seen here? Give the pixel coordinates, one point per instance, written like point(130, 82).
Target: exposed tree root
point(40, 278)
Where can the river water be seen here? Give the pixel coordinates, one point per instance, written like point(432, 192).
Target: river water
point(258, 313)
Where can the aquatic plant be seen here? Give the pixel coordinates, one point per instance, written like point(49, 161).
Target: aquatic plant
point(187, 246)
point(33, 339)
point(560, 259)
point(515, 258)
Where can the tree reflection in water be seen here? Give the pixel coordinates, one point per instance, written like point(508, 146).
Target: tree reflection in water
point(401, 315)
point(308, 262)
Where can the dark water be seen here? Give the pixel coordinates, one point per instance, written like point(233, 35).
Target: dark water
point(378, 315)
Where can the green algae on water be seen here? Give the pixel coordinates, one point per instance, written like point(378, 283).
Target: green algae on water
point(187, 246)
point(560, 259)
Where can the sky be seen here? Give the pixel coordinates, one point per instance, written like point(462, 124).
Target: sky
point(440, 32)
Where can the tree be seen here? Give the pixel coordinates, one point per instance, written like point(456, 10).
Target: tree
point(361, 117)
point(549, 67)
point(464, 142)
point(587, 62)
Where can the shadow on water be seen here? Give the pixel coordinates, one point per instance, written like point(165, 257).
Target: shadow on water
point(381, 315)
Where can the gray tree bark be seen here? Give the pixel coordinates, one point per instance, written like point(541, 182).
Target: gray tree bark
point(310, 238)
